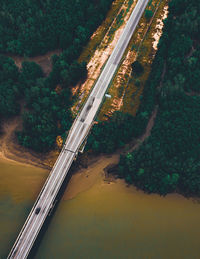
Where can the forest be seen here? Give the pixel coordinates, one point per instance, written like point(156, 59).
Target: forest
point(168, 160)
point(107, 136)
point(29, 28)
point(9, 88)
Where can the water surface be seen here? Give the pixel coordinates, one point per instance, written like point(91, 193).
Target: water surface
point(19, 186)
point(106, 220)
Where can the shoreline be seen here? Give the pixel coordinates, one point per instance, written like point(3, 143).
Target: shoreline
point(87, 172)
point(16, 156)
point(89, 167)
point(11, 151)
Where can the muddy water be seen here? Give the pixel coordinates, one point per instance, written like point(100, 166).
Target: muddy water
point(19, 186)
point(100, 219)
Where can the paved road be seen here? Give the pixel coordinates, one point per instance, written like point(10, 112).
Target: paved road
point(77, 135)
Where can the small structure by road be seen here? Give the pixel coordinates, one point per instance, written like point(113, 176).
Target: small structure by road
point(78, 133)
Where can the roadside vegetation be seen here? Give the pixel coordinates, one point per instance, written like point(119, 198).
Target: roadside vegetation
point(129, 84)
point(107, 136)
point(100, 46)
point(107, 26)
point(168, 160)
point(125, 93)
point(29, 28)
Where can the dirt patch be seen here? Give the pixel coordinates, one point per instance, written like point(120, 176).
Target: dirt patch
point(9, 147)
point(192, 93)
point(124, 91)
point(102, 167)
point(12, 151)
point(44, 60)
point(101, 55)
point(147, 132)
point(159, 27)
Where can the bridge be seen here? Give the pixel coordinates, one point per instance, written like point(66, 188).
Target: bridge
point(78, 133)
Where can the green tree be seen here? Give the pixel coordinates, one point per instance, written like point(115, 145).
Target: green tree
point(137, 68)
point(148, 14)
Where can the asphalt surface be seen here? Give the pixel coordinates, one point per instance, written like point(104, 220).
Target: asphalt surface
point(76, 136)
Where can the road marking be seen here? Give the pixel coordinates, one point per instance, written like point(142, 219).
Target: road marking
point(78, 131)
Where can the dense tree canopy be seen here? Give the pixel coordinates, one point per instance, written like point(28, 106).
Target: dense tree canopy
point(137, 68)
point(169, 160)
point(109, 135)
point(47, 102)
point(35, 27)
point(46, 112)
point(148, 14)
point(9, 87)
point(47, 115)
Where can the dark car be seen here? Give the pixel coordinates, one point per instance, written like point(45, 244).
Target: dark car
point(37, 210)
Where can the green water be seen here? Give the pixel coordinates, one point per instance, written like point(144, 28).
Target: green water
point(106, 221)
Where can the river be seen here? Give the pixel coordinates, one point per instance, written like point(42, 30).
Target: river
point(98, 218)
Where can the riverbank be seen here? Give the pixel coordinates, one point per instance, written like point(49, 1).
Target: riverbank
point(11, 151)
point(9, 147)
point(84, 178)
point(101, 216)
point(110, 220)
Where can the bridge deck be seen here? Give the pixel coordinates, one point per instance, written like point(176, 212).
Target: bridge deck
point(77, 135)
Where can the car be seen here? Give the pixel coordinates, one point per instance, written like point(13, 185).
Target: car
point(37, 210)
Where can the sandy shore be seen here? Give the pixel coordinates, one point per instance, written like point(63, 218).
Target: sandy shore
point(87, 172)
point(11, 151)
point(84, 178)
point(88, 168)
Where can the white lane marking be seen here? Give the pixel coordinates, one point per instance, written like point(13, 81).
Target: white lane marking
point(73, 137)
point(123, 36)
point(38, 202)
point(75, 145)
point(105, 82)
point(71, 159)
point(70, 145)
point(42, 203)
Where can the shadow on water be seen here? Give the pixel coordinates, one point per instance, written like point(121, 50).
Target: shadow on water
point(115, 222)
point(48, 220)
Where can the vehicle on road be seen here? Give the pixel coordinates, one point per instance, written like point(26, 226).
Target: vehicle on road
point(37, 211)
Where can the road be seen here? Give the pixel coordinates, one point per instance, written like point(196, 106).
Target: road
point(76, 136)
